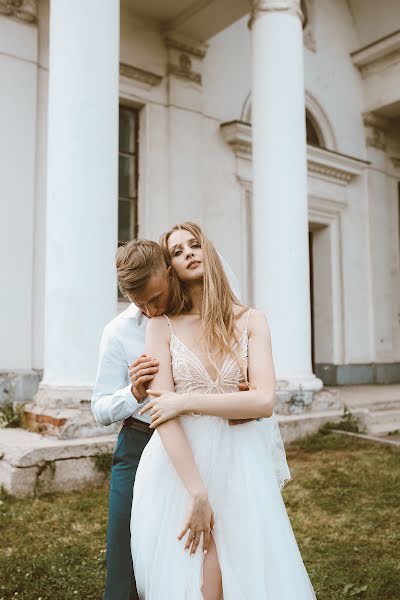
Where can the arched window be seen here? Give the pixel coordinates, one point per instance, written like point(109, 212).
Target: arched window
point(318, 127)
point(314, 136)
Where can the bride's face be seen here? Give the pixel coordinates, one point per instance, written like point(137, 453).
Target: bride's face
point(186, 255)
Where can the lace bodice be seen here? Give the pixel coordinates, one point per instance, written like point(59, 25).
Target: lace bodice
point(190, 374)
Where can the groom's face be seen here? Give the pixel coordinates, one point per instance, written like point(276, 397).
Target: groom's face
point(153, 298)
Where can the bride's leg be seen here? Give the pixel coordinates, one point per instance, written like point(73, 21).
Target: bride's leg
point(212, 580)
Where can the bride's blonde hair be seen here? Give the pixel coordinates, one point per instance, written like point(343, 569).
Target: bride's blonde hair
point(218, 331)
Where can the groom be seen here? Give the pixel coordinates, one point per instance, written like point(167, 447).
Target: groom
point(123, 376)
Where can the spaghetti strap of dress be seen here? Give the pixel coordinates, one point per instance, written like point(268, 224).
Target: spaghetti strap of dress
point(169, 323)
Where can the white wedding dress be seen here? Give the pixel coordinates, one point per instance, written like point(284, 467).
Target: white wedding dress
point(243, 469)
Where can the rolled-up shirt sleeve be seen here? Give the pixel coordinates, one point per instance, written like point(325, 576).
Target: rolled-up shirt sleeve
point(112, 398)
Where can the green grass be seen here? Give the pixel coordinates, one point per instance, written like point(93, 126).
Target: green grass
point(344, 507)
point(343, 503)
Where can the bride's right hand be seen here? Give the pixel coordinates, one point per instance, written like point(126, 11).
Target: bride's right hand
point(200, 521)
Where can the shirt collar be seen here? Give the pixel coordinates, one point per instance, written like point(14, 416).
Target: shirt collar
point(133, 312)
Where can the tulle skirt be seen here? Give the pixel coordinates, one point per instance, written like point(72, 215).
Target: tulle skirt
point(257, 551)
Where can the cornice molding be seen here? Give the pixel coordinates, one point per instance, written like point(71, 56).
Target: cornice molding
point(147, 77)
point(308, 25)
point(325, 164)
point(376, 127)
point(332, 166)
point(185, 57)
point(258, 7)
point(378, 56)
point(186, 45)
point(237, 134)
point(23, 10)
point(309, 39)
point(184, 72)
point(328, 207)
point(396, 162)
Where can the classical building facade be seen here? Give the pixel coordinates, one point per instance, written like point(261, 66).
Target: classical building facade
point(273, 123)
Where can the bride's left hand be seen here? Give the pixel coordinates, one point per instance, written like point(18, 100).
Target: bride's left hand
point(165, 406)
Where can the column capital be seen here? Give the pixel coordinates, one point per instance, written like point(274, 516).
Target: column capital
point(23, 10)
point(291, 7)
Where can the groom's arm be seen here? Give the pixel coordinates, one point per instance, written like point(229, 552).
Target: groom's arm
point(112, 398)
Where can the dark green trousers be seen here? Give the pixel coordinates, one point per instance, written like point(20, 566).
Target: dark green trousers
point(120, 583)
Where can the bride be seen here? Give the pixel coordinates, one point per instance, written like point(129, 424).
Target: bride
point(238, 543)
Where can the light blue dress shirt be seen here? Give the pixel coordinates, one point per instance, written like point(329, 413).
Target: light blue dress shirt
point(122, 342)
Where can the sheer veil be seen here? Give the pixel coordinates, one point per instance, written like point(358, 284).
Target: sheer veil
point(281, 468)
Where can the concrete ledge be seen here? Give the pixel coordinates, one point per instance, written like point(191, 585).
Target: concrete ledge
point(294, 427)
point(32, 464)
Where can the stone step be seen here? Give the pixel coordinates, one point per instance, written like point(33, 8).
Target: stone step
point(75, 452)
point(384, 428)
point(295, 426)
point(375, 404)
point(64, 423)
point(371, 397)
point(32, 464)
point(382, 417)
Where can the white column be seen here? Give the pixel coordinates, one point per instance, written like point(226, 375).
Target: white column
point(280, 221)
point(381, 214)
point(82, 180)
point(18, 77)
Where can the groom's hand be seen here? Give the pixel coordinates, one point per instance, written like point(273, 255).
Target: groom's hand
point(243, 387)
point(141, 371)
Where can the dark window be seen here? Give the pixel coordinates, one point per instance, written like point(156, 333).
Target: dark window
point(314, 137)
point(128, 174)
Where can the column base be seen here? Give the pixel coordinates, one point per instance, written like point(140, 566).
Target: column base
point(63, 412)
point(18, 386)
point(63, 396)
point(296, 395)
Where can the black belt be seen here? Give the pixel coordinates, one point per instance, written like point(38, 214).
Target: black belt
point(139, 425)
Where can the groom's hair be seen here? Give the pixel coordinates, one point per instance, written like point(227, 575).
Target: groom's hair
point(136, 262)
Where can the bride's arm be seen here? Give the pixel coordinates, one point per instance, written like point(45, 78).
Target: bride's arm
point(174, 438)
point(171, 433)
point(259, 401)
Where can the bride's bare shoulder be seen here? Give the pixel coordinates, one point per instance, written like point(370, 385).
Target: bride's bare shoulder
point(254, 314)
point(258, 322)
point(158, 327)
